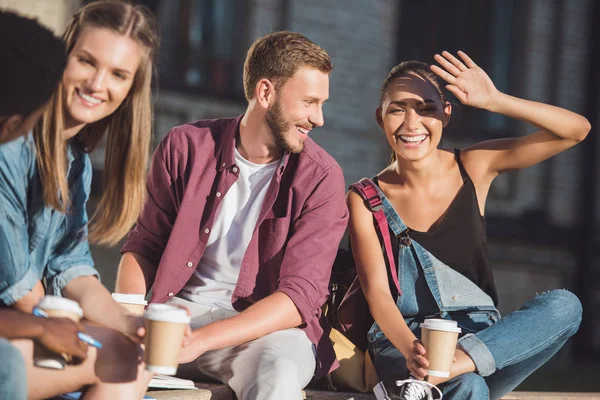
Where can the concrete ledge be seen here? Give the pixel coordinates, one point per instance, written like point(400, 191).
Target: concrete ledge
point(211, 391)
point(551, 396)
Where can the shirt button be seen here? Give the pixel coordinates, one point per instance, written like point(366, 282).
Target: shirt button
point(206, 230)
point(224, 164)
point(190, 264)
point(218, 194)
point(453, 298)
point(170, 294)
point(234, 169)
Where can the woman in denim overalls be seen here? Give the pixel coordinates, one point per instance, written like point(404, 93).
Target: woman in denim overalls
point(433, 193)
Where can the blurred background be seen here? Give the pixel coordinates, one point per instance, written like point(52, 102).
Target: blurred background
point(543, 222)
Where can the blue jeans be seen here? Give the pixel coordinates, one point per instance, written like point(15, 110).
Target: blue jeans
point(13, 375)
point(504, 353)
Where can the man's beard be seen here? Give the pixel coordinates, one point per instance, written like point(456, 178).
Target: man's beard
point(279, 125)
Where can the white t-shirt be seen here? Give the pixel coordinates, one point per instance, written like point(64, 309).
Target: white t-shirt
point(216, 275)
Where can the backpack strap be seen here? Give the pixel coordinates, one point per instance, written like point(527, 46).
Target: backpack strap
point(367, 189)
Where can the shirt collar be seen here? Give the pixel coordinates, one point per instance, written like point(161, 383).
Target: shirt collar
point(230, 134)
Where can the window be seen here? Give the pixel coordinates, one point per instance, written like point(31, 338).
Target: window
point(487, 30)
point(202, 45)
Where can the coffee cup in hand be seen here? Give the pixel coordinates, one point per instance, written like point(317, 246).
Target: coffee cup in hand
point(165, 328)
point(55, 307)
point(439, 336)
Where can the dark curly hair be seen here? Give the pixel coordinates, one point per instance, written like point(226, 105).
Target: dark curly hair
point(33, 60)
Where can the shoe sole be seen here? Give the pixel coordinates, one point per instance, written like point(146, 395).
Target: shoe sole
point(380, 392)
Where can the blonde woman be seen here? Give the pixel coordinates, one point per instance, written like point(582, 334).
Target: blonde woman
point(104, 92)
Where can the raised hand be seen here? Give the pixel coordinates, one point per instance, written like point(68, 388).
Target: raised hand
point(466, 80)
point(60, 336)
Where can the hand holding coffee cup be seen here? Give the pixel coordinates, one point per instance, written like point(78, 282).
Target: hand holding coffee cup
point(439, 336)
point(55, 307)
point(165, 328)
point(61, 335)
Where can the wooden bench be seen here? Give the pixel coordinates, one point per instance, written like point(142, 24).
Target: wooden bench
point(213, 391)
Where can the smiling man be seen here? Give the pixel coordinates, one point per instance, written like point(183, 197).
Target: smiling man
point(241, 225)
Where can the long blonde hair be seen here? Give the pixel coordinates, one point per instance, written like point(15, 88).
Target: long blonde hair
point(128, 129)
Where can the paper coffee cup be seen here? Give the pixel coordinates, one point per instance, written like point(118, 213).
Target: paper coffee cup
point(439, 336)
point(134, 303)
point(55, 307)
point(165, 328)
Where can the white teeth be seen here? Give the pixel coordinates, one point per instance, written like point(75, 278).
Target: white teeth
point(302, 130)
point(413, 139)
point(88, 98)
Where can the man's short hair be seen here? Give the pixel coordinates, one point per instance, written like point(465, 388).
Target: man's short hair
point(33, 60)
point(277, 56)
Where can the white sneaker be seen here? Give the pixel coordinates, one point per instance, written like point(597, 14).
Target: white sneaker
point(408, 389)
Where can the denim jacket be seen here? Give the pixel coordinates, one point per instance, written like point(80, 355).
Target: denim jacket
point(456, 296)
point(37, 241)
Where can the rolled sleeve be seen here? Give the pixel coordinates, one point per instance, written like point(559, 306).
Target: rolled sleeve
point(70, 263)
point(57, 283)
point(311, 249)
point(151, 233)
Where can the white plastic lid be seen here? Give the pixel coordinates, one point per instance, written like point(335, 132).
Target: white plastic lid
point(167, 313)
point(437, 324)
point(60, 303)
point(129, 298)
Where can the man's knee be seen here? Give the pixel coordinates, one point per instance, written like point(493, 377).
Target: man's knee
point(469, 386)
point(273, 375)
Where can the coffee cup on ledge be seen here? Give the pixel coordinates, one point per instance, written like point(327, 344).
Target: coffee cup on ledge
point(439, 336)
point(55, 307)
point(133, 303)
point(165, 328)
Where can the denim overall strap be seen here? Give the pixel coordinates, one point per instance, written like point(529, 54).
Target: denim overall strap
point(370, 193)
point(394, 220)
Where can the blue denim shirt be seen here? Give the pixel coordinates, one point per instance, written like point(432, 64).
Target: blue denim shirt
point(37, 241)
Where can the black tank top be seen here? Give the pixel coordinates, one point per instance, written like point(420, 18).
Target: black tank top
point(459, 240)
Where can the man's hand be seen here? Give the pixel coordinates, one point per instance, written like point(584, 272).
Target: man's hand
point(191, 347)
point(60, 336)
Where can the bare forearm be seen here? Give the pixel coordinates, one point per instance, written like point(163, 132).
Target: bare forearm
point(560, 122)
point(17, 325)
point(273, 313)
point(391, 322)
point(97, 303)
point(135, 274)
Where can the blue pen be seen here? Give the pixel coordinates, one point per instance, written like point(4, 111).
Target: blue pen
point(89, 340)
point(82, 336)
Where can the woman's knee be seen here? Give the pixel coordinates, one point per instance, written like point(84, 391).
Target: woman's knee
point(565, 307)
point(13, 375)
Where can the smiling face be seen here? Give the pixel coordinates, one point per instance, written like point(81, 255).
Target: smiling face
point(413, 116)
point(298, 108)
point(100, 71)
